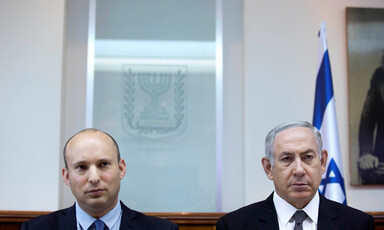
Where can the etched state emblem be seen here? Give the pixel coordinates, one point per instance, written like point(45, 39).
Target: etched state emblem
point(154, 100)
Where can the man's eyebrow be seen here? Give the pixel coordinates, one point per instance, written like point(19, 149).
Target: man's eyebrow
point(286, 153)
point(308, 151)
point(79, 163)
point(104, 159)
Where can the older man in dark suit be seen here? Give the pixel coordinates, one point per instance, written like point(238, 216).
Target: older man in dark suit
point(295, 162)
point(93, 170)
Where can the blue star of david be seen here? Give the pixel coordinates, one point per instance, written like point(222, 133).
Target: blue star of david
point(332, 167)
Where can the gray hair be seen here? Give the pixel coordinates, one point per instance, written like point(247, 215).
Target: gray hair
point(270, 138)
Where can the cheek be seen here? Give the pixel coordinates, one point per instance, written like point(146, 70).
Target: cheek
point(279, 179)
point(78, 181)
point(282, 175)
point(319, 174)
point(315, 175)
point(110, 177)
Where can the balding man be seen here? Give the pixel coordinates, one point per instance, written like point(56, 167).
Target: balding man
point(93, 170)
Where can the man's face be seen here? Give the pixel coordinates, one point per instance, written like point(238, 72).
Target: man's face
point(94, 172)
point(297, 169)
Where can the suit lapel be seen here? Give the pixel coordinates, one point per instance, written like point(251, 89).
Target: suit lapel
point(67, 218)
point(128, 219)
point(267, 219)
point(327, 215)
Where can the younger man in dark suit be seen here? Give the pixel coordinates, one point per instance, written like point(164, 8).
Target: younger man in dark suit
point(295, 162)
point(93, 170)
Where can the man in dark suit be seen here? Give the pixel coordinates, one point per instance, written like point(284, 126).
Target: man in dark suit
point(295, 162)
point(93, 170)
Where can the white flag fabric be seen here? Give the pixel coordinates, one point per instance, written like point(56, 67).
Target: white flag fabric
point(324, 119)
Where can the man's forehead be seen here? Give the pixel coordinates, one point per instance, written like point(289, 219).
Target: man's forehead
point(91, 142)
point(294, 133)
point(83, 156)
point(89, 136)
point(295, 137)
point(90, 160)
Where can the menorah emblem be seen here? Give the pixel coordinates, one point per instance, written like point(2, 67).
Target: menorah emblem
point(154, 100)
point(155, 85)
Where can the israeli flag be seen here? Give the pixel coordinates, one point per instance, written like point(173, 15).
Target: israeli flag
point(324, 118)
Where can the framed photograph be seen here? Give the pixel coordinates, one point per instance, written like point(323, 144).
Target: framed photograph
point(365, 34)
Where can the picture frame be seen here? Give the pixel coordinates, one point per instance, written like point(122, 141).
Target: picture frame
point(365, 47)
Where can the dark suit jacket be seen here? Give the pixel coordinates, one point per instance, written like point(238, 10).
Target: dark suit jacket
point(262, 215)
point(65, 219)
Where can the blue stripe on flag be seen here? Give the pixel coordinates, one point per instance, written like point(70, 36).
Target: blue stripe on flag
point(324, 90)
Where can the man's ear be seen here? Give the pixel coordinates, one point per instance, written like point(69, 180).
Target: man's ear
point(123, 168)
point(267, 167)
point(323, 161)
point(65, 174)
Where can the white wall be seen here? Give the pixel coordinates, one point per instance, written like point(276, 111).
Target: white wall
point(279, 54)
point(280, 66)
point(31, 46)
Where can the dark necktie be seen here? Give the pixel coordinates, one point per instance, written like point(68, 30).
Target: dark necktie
point(99, 225)
point(299, 217)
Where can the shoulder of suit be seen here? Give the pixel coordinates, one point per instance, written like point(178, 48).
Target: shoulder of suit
point(347, 210)
point(250, 209)
point(153, 219)
point(44, 219)
point(146, 219)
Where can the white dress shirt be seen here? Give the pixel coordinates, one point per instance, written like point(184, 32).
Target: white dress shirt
point(285, 213)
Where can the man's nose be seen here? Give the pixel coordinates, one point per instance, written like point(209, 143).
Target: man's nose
point(93, 176)
point(298, 168)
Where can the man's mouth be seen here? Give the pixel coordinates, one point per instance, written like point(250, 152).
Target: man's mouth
point(299, 185)
point(95, 191)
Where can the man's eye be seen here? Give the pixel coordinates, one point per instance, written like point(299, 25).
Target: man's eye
point(286, 159)
point(104, 164)
point(81, 167)
point(308, 157)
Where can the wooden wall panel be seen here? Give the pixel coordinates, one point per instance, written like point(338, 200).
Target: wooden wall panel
point(12, 220)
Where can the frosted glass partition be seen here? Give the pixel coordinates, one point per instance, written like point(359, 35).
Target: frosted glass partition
point(154, 91)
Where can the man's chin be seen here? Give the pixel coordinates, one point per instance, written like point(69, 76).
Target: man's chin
point(302, 195)
point(300, 199)
point(96, 201)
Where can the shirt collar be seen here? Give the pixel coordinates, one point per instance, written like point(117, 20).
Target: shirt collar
point(312, 208)
point(285, 210)
point(109, 219)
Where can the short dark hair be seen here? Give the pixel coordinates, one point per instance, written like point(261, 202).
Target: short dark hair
point(90, 130)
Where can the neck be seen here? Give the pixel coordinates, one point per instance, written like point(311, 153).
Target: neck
point(98, 212)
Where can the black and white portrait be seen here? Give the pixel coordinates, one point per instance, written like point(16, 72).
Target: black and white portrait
point(365, 31)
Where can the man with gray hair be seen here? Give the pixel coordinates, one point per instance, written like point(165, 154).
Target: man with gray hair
point(295, 161)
